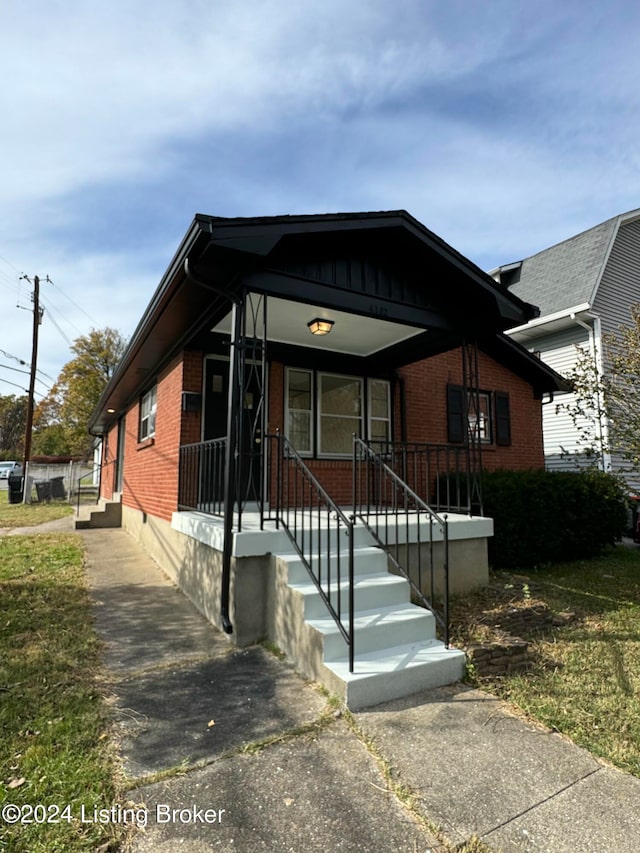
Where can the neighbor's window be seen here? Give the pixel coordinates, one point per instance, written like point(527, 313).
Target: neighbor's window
point(148, 406)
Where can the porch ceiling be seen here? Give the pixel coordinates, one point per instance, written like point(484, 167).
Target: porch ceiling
point(351, 334)
point(357, 267)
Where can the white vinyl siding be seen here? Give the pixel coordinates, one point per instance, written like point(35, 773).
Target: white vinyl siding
point(620, 284)
point(560, 438)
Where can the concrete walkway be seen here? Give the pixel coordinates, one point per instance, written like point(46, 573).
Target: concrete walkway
point(259, 760)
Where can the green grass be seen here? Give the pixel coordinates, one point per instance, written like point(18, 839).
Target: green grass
point(26, 515)
point(53, 725)
point(585, 678)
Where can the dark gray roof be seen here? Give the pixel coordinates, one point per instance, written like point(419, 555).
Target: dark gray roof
point(568, 273)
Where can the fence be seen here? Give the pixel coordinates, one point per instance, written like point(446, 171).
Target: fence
point(60, 481)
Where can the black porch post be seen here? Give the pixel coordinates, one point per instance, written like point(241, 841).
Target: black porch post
point(236, 393)
point(471, 391)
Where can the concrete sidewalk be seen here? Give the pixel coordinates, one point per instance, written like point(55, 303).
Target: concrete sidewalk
point(259, 760)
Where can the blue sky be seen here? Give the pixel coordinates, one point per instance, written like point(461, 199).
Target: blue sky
point(504, 126)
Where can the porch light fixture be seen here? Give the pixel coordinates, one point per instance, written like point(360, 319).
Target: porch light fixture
point(320, 326)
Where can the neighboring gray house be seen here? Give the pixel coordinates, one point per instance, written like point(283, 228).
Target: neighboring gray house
point(584, 288)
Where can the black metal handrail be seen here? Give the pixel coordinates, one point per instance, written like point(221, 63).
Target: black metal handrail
point(201, 476)
point(99, 468)
point(438, 473)
point(402, 523)
point(317, 527)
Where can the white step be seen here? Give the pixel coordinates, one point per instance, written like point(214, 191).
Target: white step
point(370, 592)
point(366, 561)
point(395, 645)
point(377, 629)
point(398, 671)
point(318, 537)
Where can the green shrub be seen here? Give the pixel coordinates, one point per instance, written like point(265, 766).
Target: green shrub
point(551, 516)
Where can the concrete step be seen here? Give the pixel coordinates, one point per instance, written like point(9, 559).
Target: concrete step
point(396, 650)
point(370, 592)
point(107, 514)
point(366, 561)
point(397, 671)
point(376, 630)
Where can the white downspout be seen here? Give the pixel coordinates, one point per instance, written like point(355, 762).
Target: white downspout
point(595, 334)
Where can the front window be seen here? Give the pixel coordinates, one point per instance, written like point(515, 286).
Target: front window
point(379, 412)
point(324, 410)
point(299, 409)
point(148, 406)
point(339, 413)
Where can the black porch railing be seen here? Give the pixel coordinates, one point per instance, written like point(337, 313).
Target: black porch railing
point(403, 524)
point(319, 530)
point(201, 476)
point(439, 473)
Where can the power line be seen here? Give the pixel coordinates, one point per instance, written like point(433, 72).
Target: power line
point(15, 385)
point(26, 364)
point(27, 372)
point(73, 302)
point(52, 309)
point(59, 329)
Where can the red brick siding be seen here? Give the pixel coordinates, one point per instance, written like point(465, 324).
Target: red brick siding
point(425, 392)
point(109, 451)
point(151, 468)
point(426, 408)
point(192, 381)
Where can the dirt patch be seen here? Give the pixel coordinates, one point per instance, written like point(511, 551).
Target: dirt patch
point(496, 625)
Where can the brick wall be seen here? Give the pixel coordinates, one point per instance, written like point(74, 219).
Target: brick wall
point(109, 451)
point(193, 362)
point(425, 392)
point(426, 408)
point(151, 467)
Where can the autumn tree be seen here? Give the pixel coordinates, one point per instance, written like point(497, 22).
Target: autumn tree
point(13, 422)
point(61, 419)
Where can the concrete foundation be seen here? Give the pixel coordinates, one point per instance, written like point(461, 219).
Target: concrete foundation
point(189, 551)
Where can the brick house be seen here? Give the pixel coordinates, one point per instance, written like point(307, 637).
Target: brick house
point(297, 431)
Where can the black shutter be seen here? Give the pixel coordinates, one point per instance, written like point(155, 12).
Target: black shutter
point(503, 419)
point(455, 414)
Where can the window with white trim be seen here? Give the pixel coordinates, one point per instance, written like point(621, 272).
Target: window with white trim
point(480, 421)
point(334, 404)
point(491, 423)
point(379, 411)
point(148, 406)
point(339, 413)
point(299, 407)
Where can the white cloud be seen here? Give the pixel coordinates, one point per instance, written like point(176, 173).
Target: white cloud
point(503, 126)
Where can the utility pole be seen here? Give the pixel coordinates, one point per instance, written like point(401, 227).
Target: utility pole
point(37, 319)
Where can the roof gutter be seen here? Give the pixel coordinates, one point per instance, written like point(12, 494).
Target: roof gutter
point(539, 322)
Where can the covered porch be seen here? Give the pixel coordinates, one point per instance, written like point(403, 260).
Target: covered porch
point(317, 443)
